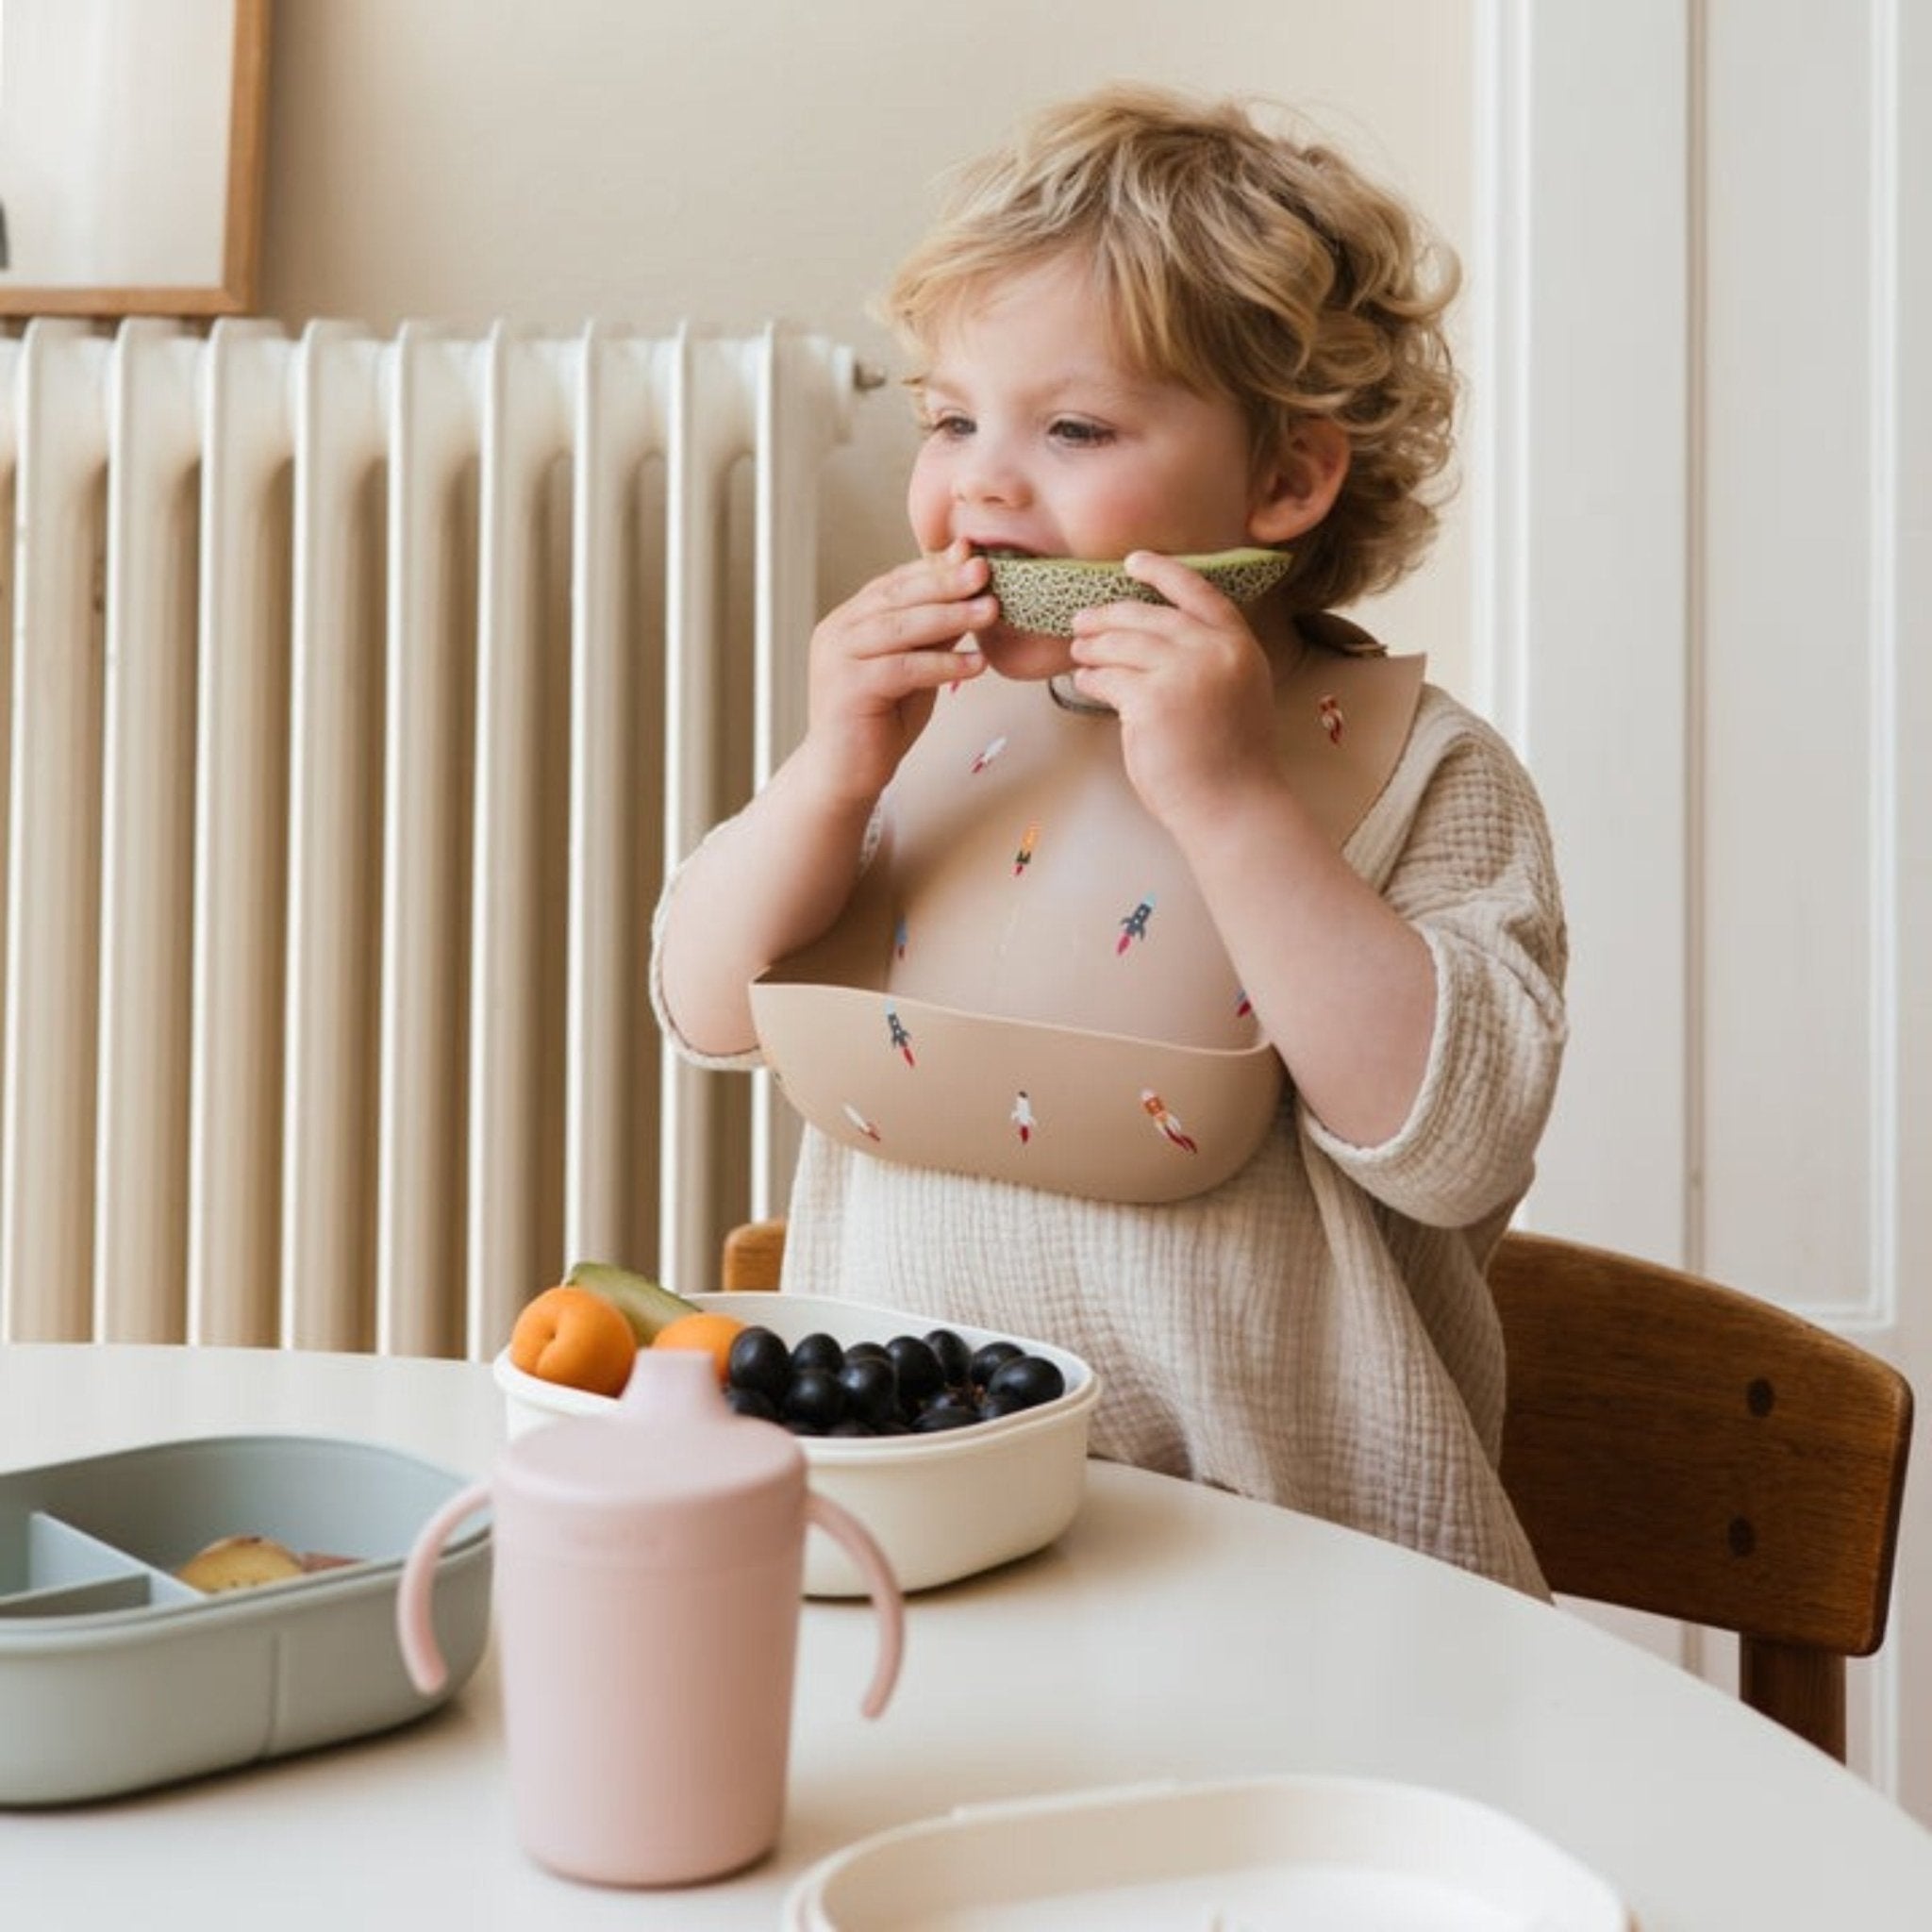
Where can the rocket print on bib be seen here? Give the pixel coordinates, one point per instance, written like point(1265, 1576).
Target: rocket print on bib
point(1166, 1124)
point(896, 1033)
point(1134, 927)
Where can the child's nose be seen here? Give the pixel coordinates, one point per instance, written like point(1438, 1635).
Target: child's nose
point(989, 475)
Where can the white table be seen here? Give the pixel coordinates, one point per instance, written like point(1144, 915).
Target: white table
point(1173, 1632)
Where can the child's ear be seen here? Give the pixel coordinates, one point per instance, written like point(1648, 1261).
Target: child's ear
point(1294, 492)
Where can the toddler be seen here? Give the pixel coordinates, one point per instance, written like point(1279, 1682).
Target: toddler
point(1186, 989)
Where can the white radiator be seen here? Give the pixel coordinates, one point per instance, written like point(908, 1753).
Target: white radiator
point(358, 691)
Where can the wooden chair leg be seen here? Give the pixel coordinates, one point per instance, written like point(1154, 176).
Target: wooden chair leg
point(1802, 1688)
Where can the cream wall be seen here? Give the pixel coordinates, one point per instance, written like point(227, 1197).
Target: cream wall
point(551, 160)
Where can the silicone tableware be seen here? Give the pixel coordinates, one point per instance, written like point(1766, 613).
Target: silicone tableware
point(630, 1546)
point(1346, 1854)
point(115, 1676)
point(941, 1507)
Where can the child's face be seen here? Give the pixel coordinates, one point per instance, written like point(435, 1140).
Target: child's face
point(1040, 439)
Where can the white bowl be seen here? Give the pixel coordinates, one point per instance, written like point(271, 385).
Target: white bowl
point(941, 1507)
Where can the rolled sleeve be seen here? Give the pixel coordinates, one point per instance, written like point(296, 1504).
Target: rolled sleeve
point(724, 1062)
point(1476, 877)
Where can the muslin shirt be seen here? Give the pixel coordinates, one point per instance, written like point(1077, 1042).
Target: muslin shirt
point(1316, 1331)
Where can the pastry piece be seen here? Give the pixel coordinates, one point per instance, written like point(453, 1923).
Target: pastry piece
point(240, 1562)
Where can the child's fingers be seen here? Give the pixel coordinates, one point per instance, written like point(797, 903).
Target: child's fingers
point(1129, 631)
point(929, 603)
point(1186, 589)
point(1195, 619)
point(940, 576)
point(920, 628)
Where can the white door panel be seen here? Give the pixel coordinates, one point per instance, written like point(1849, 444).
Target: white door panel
point(1704, 453)
point(1794, 644)
point(1577, 454)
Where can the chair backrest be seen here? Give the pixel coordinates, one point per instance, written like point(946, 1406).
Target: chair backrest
point(1679, 1447)
point(754, 1253)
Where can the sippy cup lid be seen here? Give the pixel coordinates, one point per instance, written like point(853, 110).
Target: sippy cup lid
point(670, 1479)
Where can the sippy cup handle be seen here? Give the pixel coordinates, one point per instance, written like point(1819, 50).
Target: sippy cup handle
point(415, 1629)
point(879, 1582)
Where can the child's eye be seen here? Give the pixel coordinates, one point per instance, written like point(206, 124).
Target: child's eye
point(946, 422)
point(1078, 432)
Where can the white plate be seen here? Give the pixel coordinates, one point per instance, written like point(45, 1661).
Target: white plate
point(1263, 1855)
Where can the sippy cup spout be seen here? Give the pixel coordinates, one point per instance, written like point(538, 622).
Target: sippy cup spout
point(677, 1388)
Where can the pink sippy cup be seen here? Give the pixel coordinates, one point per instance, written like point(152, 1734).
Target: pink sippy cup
point(668, 1529)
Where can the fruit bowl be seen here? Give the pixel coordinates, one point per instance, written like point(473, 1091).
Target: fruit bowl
point(941, 1507)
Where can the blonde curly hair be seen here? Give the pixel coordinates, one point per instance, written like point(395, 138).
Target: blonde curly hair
point(1237, 261)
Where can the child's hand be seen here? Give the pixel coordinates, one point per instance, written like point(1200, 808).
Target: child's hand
point(1193, 687)
point(879, 660)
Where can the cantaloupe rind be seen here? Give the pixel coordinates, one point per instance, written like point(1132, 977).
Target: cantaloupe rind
point(1043, 593)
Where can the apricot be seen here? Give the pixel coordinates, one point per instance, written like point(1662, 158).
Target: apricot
point(575, 1336)
point(707, 1329)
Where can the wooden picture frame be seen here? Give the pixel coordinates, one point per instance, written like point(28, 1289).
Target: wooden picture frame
point(131, 152)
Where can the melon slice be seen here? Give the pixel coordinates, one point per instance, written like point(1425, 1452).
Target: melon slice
point(1041, 593)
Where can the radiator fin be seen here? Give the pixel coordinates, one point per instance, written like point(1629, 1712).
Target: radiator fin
point(358, 691)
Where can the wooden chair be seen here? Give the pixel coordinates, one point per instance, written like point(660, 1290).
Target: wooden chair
point(754, 1251)
point(1677, 1448)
